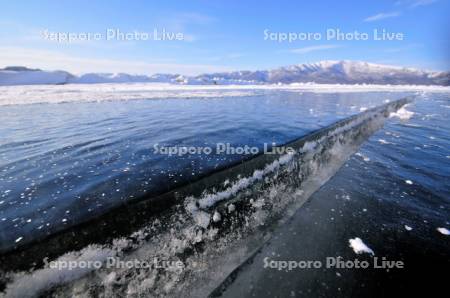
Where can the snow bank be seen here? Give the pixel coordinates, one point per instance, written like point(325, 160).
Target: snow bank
point(95, 78)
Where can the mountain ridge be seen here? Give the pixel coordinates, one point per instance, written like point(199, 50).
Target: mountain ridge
point(322, 72)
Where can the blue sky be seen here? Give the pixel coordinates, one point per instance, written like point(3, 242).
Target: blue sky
point(221, 35)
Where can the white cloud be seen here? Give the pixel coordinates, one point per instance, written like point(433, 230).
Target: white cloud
point(305, 50)
point(422, 3)
point(414, 3)
point(53, 60)
point(383, 15)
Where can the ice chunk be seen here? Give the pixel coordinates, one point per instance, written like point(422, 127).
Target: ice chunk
point(231, 208)
point(359, 246)
point(402, 114)
point(384, 142)
point(202, 219)
point(217, 217)
point(443, 231)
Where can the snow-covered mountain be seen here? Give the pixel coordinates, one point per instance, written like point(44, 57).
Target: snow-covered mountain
point(334, 72)
point(18, 75)
point(330, 72)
